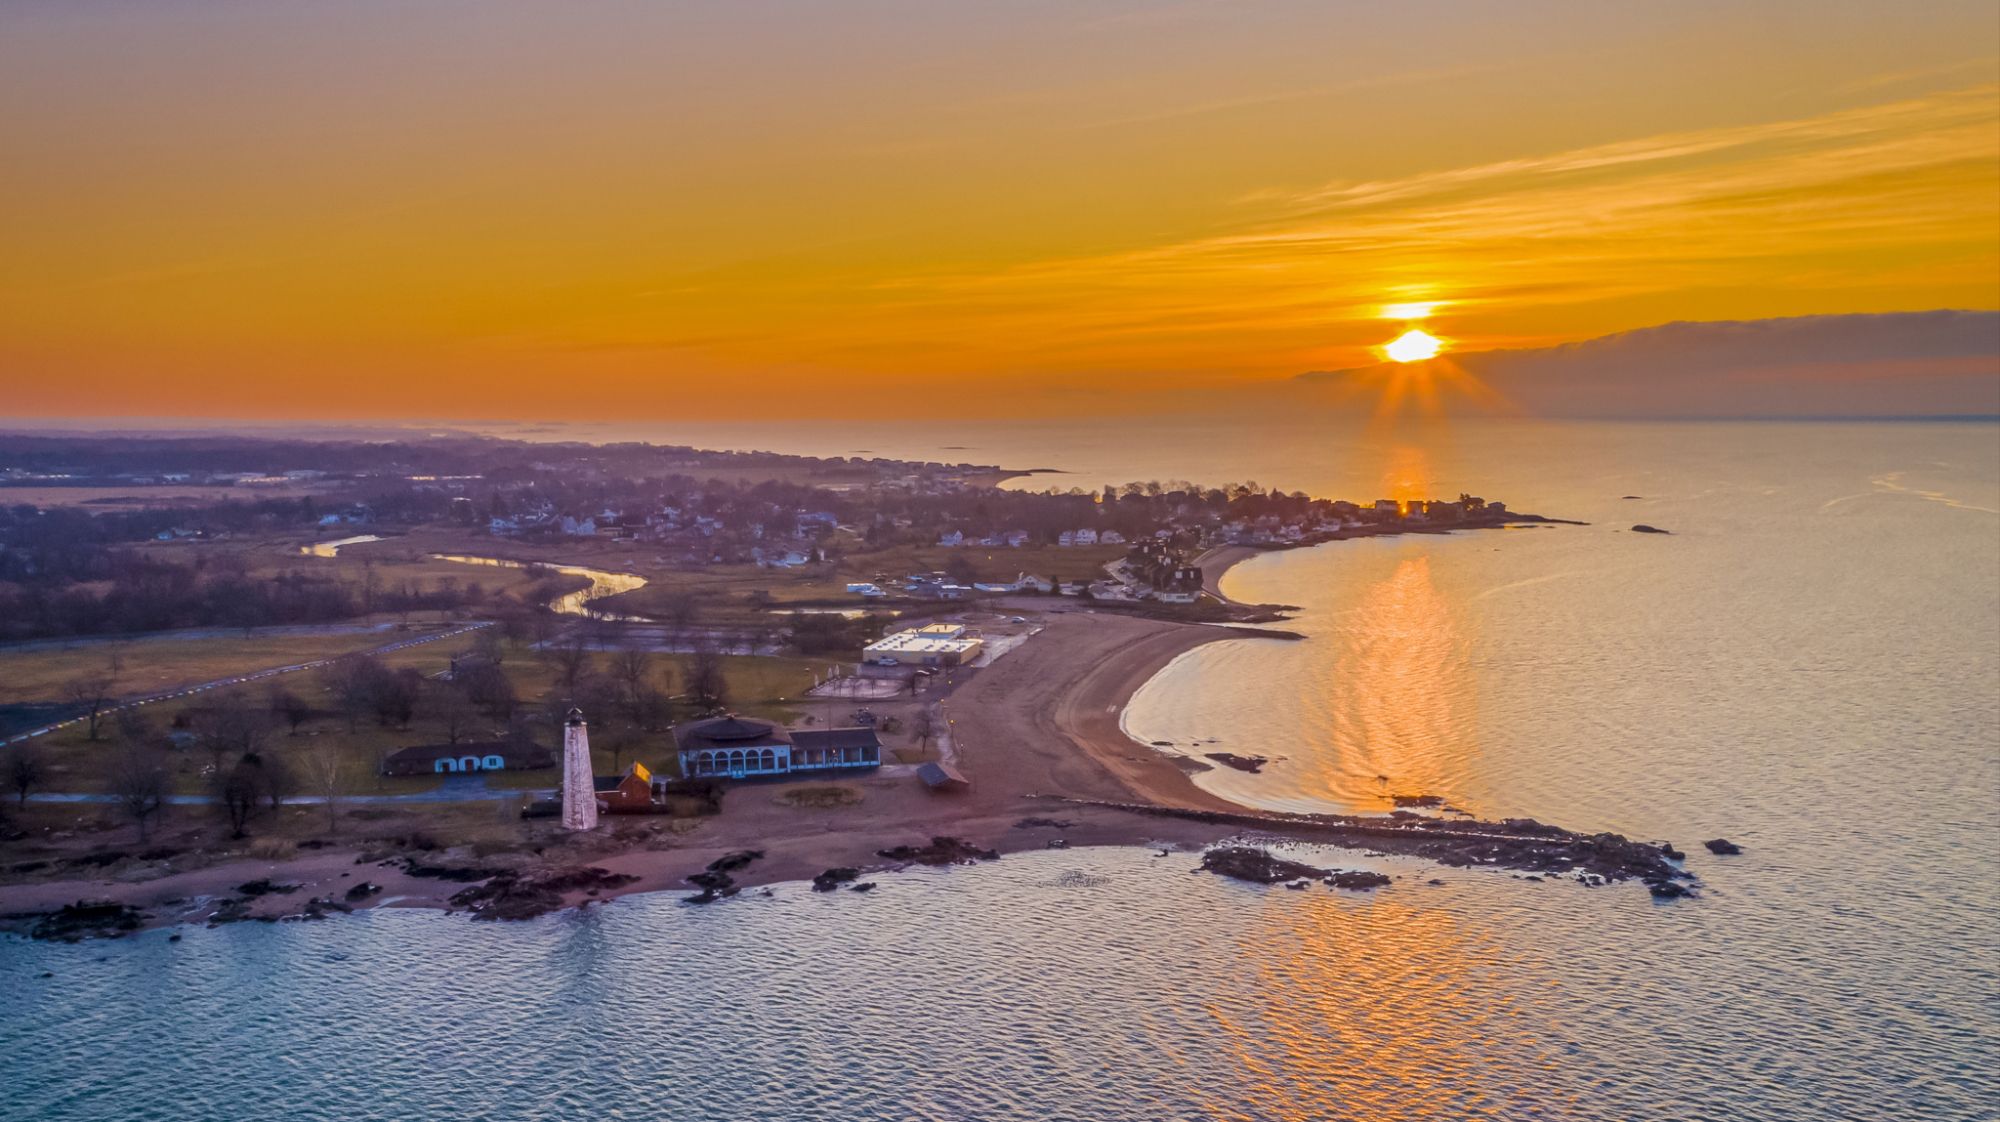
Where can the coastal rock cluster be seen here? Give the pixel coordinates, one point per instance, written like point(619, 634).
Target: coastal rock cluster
point(716, 882)
point(1251, 764)
point(1520, 844)
point(87, 919)
point(1261, 866)
point(941, 851)
point(525, 895)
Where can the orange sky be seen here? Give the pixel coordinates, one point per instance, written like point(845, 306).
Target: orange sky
point(636, 210)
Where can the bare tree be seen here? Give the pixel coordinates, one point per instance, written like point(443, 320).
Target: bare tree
point(568, 659)
point(92, 693)
point(279, 783)
point(326, 776)
point(351, 680)
point(25, 771)
point(707, 682)
point(237, 791)
point(451, 709)
point(140, 785)
point(235, 725)
point(290, 708)
point(488, 646)
point(133, 727)
point(923, 726)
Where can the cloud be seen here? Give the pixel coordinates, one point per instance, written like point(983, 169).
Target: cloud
point(1807, 209)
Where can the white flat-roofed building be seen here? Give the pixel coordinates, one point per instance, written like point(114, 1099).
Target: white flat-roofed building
point(935, 645)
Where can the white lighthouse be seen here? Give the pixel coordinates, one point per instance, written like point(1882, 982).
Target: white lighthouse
point(579, 787)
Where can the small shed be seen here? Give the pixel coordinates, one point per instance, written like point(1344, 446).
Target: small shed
point(631, 793)
point(940, 776)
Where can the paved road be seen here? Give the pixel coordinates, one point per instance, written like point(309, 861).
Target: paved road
point(240, 679)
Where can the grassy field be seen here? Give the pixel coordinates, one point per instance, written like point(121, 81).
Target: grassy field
point(768, 687)
point(147, 665)
point(140, 498)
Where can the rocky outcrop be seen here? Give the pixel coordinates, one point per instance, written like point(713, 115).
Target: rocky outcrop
point(941, 851)
point(1251, 764)
point(1642, 528)
point(464, 874)
point(87, 919)
point(1259, 866)
point(1357, 879)
point(363, 891)
point(1722, 847)
point(266, 887)
point(1521, 844)
point(834, 878)
point(524, 895)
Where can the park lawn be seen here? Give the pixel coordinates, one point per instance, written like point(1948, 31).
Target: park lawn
point(148, 665)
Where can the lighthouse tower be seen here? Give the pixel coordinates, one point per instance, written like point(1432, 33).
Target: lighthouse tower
point(579, 788)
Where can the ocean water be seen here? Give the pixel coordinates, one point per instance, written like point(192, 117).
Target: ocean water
point(1809, 664)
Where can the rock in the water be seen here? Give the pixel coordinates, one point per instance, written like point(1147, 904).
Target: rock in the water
point(1242, 862)
point(1722, 847)
point(1672, 853)
point(1418, 800)
point(1642, 528)
point(517, 895)
point(1357, 878)
point(834, 878)
point(1251, 764)
point(864, 886)
point(87, 919)
point(1666, 889)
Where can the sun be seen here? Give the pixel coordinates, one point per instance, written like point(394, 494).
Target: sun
point(1414, 346)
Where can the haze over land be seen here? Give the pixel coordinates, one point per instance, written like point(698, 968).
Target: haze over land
point(706, 212)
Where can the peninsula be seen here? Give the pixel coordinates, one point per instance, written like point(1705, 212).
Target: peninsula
point(241, 790)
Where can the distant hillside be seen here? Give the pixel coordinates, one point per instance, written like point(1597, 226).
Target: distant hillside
point(1909, 364)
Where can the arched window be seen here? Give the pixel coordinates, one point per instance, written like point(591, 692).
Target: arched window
point(768, 760)
point(445, 765)
point(494, 763)
point(468, 763)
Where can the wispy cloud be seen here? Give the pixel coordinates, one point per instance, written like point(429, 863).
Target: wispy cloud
point(1828, 200)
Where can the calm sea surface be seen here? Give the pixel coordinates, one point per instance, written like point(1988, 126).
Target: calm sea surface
point(1809, 665)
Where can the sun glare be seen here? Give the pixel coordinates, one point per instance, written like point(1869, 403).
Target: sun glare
point(1414, 346)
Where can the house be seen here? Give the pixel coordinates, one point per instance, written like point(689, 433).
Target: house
point(579, 528)
point(1111, 537)
point(741, 747)
point(444, 759)
point(953, 538)
point(631, 793)
point(940, 776)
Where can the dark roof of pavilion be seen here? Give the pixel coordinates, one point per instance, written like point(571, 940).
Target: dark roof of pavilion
point(728, 732)
point(835, 738)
